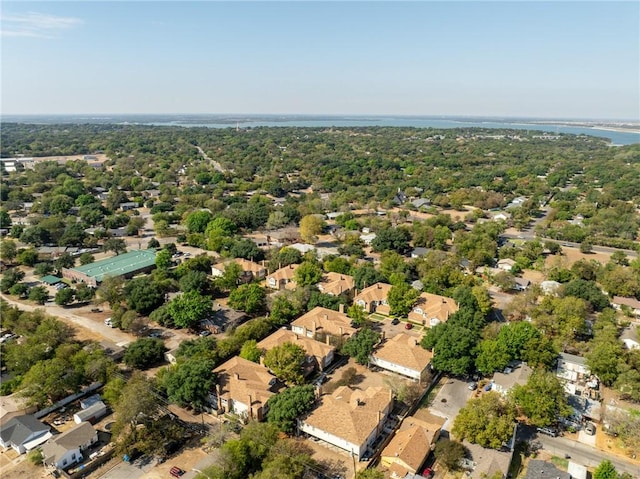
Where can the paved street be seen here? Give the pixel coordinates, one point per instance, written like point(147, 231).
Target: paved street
point(586, 455)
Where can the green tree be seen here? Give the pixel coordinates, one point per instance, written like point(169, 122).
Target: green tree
point(189, 383)
point(487, 421)
point(249, 298)
point(286, 362)
point(84, 293)
point(143, 295)
point(197, 221)
point(64, 297)
point(250, 351)
point(586, 247)
point(283, 311)
point(111, 291)
point(189, 308)
point(605, 354)
point(307, 274)
point(492, 356)
point(10, 277)
point(194, 281)
point(605, 470)
point(360, 345)
point(86, 258)
point(450, 453)
point(117, 245)
point(357, 315)
point(27, 257)
point(285, 407)
point(163, 259)
point(370, 474)
point(144, 353)
point(401, 299)
point(394, 239)
point(542, 399)
point(39, 294)
point(310, 227)
point(230, 277)
point(8, 250)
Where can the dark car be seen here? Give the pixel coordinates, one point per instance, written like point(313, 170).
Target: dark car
point(395, 321)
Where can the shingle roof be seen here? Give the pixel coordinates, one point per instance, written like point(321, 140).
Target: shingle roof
point(403, 351)
point(411, 446)
point(336, 283)
point(286, 272)
point(325, 320)
point(377, 292)
point(545, 470)
point(245, 264)
point(18, 429)
point(434, 306)
point(311, 346)
point(240, 378)
point(351, 414)
point(57, 446)
point(518, 375)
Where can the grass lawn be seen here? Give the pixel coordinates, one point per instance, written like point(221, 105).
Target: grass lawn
point(377, 317)
point(560, 462)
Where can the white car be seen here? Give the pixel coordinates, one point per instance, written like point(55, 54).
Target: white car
point(108, 322)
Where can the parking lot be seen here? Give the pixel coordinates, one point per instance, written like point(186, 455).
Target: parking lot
point(452, 397)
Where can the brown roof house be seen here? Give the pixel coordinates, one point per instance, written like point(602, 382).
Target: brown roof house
point(632, 303)
point(243, 388)
point(350, 419)
point(322, 322)
point(336, 284)
point(283, 278)
point(374, 298)
point(66, 449)
point(319, 355)
point(409, 448)
point(431, 309)
point(250, 270)
point(403, 354)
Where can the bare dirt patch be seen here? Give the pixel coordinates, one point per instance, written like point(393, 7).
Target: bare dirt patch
point(572, 255)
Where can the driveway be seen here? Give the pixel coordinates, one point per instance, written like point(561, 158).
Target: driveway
point(452, 397)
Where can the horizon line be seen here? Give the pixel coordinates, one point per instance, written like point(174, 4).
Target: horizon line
point(337, 115)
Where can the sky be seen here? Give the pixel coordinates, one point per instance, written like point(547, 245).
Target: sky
point(478, 58)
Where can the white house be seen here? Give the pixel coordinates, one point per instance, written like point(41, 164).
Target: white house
point(403, 355)
point(506, 264)
point(67, 448)
point(23, 433)
point(350, 419)
point(516, 375)
point(572, 368)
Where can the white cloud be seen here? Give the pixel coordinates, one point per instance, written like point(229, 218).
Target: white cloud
point(36, 25)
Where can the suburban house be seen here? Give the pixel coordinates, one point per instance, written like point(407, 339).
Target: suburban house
point(632, 303)
point(419, 252)
point(420, 202)
point(515, 374)
point(243, 388)
point(630, 337)
point(374, 298)
point(23, 433)
point(283, 278)
point(67, 448)
point(403, 355)
point(350, 419)
point(322, 322)
point(432, 309)
point(319, 355)
point(250, 270)
point(410, 447)
point(367, 238)
point(336, 284)
point(506, 264)
point(572, 368)
point(500, 216)
point(521, 284)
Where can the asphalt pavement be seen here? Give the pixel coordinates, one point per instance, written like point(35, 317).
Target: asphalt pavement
point(452, 397)
point(586, 455)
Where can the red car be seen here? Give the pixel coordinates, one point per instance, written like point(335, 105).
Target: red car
point(176, 471)
point(427, 473)
point(408, 326)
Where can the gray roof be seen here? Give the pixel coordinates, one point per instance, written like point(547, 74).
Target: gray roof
point(96, 409)
point(75, 437)
point(20, 428)
point(572, 358)
point(545, 470)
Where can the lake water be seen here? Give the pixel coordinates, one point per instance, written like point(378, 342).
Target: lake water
point(252, 121)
